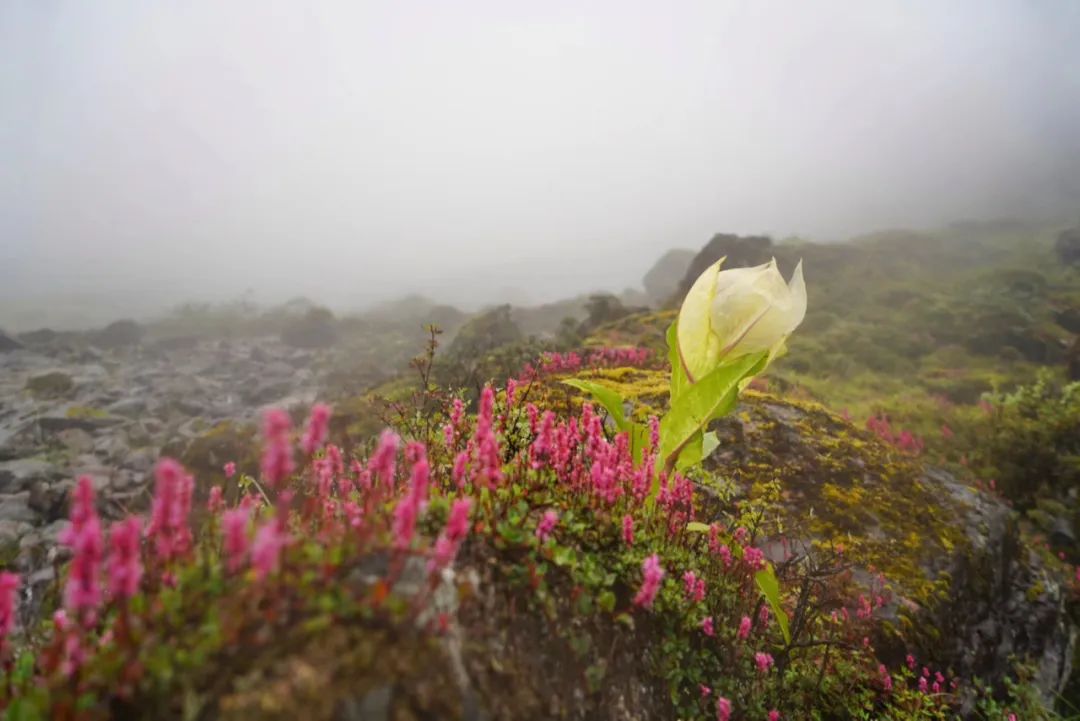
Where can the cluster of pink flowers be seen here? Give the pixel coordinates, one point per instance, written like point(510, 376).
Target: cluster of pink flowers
point(694, 587)
point(409, 508)
point(763, 661)
point(318, 429)
point(480, 462)
point(652, 575)
point(905, 441)
point(82, 592)
point(170, 510)
point(573, 362)
point(449, 541)
point(277, 460)
point(9, 589)
point(546, 525)
point(125, 557)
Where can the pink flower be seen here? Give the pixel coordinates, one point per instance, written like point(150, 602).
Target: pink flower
point(125, 564)
point(652, 575)
point(409, 508)
point(704, 690)
point(723, 709)
point(9, 589)
point(270, 540)
point(628, 530)
point(546, 525)
point(911, 662)
point(694, 587)
point(317, 430)
point(234, 525)
point(82, 592)
point(216, 500)
point(754, 558)
point(763, 661)
point(774, 715)
point(449, 541)
point(923, 684)
point(170, 509)
point(744, 628)
point(886, 678)
point(707, 626)
point(383, 461)
point(230, 469)
point(277, 460)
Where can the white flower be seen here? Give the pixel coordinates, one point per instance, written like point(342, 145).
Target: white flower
point(731, 313)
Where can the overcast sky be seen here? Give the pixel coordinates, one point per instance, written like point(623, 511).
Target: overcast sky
point(356, 150)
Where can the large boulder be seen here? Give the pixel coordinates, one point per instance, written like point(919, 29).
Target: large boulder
point(1068, 246)
point(7, 343)
point(740, 251)
point(119, 334)
point(664, 277)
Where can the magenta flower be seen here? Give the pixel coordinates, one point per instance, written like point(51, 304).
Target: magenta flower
point(754, 558)
point(277, 460)
point(628, 530)
point(9, 590)
point(707, 626)
point(230, 469)
point(216, 500)
point(704, 690)
point(449, 541)
point(886, 678)
point(125, 562)
point(170, 509)
point(652, 576)
point(774, 715)
point(234, 524)
point(723, 709)
point(546, 525)
point(694, 587)
point(763, 661)
point(266, 550)
point(317, 430)
point(744, 628)
point(383, 462)
point(82, 592)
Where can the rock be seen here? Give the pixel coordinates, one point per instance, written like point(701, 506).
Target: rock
point(316, 329)
point(19, 474)
point(56, 423)
point(664, 277)
point(54, 384)
point(16, 507)
point(740, 251)
point(119, 334)
point(11, 531)
point(7, 343)
point(50, 500)
point(127, 407)
point(40, 337)
point(76, 440)
point(266, 392)
point(1067, 246)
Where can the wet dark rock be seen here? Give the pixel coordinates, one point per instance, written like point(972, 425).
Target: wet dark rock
point(58, 423)
point(16, 507)
point(119, 334)
point(7, 343)
point(54, 384)
point(19, 474)
point(50, 500)
point(740, 251)
point(1068, 246)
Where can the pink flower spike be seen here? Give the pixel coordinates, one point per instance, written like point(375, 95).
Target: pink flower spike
point(125, 562)
point(704, 690)
point(317, 430)
point(546, 525)
point(82, 592)
point(763, 661)
point(744, 628)
point(707, 626)
point(277, 460)
point(628, 529)
point(774, 715)
point(230, 469)
point(266, 550)
point(216, 501)
point(9, 589)
point(652, 576)
point(723, 709)
point(234, 524)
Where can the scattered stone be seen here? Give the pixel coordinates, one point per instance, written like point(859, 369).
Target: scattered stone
point(7, 343)
point(54, 384)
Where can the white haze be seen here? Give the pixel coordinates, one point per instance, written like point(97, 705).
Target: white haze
point(152, 152)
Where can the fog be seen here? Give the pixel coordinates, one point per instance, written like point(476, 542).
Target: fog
point(156, 152)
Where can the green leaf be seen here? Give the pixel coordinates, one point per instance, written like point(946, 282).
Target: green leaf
point(711, 397)
point(679, 381)
point(770, 588)
point(697, 527)
point(606, 397)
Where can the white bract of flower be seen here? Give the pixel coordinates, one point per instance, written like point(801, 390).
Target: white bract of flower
point(731, 313)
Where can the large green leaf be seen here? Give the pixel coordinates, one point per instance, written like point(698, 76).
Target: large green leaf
point(679, 381)
point(608, 398)
point(770, 588)
point(711, 397)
